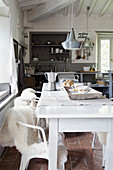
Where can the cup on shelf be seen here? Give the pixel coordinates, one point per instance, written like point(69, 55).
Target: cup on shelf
point(88, 83)
point(35, 59)
point(57, 50)
point(61, 50)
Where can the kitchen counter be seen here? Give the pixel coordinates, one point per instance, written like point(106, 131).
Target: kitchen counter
point(42, 73)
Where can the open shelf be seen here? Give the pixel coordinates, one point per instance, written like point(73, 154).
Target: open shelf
point(39, 49)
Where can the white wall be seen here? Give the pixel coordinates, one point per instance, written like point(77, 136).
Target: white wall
point(16, 18)
point(60, 23)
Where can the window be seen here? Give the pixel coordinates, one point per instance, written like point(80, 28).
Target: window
point(8, 76)
point(105, 61)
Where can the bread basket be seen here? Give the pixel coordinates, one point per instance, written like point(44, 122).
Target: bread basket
point(101, 82)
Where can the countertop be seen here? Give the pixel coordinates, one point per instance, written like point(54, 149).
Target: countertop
point(70, 72)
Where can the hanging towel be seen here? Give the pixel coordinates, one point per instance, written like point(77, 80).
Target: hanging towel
point(13, 69)
point(21, 71)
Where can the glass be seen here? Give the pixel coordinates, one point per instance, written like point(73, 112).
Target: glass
point(105, 55)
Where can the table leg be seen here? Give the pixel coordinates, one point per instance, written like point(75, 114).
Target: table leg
point(109, 148)
point(53, 140)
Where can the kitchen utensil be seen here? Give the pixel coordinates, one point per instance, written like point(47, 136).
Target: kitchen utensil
point(76, 78)
point(51, 77)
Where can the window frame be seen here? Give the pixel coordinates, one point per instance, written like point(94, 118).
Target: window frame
point(103, 36)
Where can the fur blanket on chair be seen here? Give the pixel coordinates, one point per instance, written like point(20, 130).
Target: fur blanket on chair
point(30, 116)
point(27, 97)
point(12, 133)
point(20, 102)
point(28, 94)
point(8, 131)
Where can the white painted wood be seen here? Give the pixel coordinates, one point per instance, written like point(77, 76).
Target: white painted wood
point(79, 7)
point(46, 9)
point(77, 119)
point(66, 10)
point(112, 15)
point(2, 4)
point(83, 125)
point(76, 112)
point(53, 138)
point(30, 3)
point(92, 7)
point(109, 148)
point(105, 7)
point(6, 2)
point(23, 0)
point(28, 7)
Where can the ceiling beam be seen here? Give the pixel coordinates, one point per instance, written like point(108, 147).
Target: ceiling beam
point(79, 7)
point(92, 7)
point(6, 2)
point(65, 12)
point(28, 7)
point(23, 0)
point(33, 2)
point(47, 9)
point(112, 15)
point(105, 7)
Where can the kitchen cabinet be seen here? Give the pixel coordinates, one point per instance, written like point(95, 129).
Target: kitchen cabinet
point(30, 82)
point(35, 81)
point(47, 46)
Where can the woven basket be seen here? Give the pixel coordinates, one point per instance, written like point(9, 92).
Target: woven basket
point(99, 82)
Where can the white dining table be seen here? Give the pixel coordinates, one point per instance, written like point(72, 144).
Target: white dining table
point(66, 115)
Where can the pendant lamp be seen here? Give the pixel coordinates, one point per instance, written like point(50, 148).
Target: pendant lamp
point(87, 43)
point(71, 43)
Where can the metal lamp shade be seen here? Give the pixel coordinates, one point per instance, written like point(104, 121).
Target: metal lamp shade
point(87, 43)
point(71, 43)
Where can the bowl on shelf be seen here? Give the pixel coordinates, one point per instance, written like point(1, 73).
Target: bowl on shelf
point(48, 42)
point(86, 68)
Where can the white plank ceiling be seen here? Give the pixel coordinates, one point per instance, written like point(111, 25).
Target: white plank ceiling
point(37, 9)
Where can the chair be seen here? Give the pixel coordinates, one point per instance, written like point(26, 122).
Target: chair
point(17, 129)
point(14, 132)
point(29, 96)
point(41, 151)
point(102, 140)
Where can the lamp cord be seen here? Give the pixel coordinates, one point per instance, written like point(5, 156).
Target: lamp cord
point(88, 8)
point(69, 17)
point(72, 14)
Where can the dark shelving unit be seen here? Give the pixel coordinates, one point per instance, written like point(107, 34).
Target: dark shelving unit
point(43, 51)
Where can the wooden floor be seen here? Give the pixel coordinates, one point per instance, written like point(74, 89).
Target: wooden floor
point(80, 157)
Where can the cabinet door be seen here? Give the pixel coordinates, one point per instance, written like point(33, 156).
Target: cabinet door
point(30, 82)
point(4, 50)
